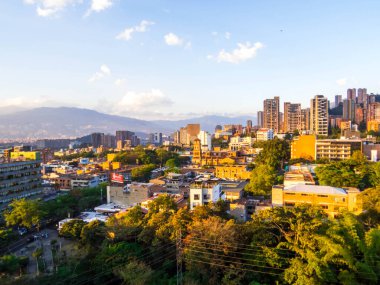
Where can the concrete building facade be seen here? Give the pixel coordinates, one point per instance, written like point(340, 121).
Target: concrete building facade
point(319, 115)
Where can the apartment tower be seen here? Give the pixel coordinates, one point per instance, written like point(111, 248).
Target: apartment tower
point(271, 115)
point(292, 117)
point(319, 115)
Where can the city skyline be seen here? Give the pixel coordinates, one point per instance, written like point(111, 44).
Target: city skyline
point(154, 61)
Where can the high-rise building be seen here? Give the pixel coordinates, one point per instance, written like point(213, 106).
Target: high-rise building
point(183, 136)
point(373, 112)
point(176, 137)
point(292, 117)
point(155, 138)
point(97, 139)
point(338, 100)
point(319, 115)
point(125, 136)
point(248, 128)
point(205, 139)
point(351, 94)
point(349, 110)
point(305, 119)
point(362, 96)
point(109, 141)
point(19, 179)
point(260, 119)
point(271, 116)
point(192, 132)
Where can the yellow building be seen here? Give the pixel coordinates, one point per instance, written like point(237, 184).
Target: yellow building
point(303, 147)
point(337, 149)
point(232, 172)
point(215, 157)
point(26, 155)
point(111, 165)
point(308, 147)
point(331, 199)
point(111, 156)
point(373, 125)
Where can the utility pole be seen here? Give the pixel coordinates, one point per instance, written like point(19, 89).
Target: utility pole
point(179, 257)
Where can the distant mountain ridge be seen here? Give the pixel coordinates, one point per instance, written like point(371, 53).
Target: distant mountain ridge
point(65, 122)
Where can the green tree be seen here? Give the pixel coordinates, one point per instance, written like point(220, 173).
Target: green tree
point(173, 163)
point(375, 174)
point(338, 174)
point(135, 273)
point(93, 234)
point(142, 173)
point(274, 153)
point(72, 229)
point(370, 199)
point(263, 177)
point(10, 264)
point(27, 213)
point(213, 241)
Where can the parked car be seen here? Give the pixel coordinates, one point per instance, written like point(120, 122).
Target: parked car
point(22, 231)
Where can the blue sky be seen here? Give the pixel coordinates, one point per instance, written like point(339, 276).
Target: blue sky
point(177, 59)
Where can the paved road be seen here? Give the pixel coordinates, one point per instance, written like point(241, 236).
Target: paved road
point(47, 256)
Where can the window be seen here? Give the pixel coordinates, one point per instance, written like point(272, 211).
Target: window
point(289, 204)
point(325, 207)
point(196, 196)
point(324, 196)
point(206, 196)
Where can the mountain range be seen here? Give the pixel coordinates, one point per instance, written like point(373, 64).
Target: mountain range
point(70, 122)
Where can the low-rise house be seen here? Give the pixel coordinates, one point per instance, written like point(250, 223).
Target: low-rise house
point(264, 134)
point(233, 190)
point(130, 194)
point(298, 177)
point(203, 192)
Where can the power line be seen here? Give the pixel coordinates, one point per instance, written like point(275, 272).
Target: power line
point(159, 259)
point(263, 247)
point(117, 267)
point(270, 267)
point(244, 269)
point(148, 251)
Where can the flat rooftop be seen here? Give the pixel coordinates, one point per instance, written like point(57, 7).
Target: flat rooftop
point(315, 189)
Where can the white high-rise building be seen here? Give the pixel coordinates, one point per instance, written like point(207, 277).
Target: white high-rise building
point(205, 139)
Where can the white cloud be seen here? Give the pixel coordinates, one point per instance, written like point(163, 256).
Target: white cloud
point(104, 71)
point(342, 81)
point(98, 6)
point(135, 101)
point(119, 81)
point(126, 35)
point(147, 104)
point(227, 35)
point(242, 53)
point(46, 8)
point(173, 40)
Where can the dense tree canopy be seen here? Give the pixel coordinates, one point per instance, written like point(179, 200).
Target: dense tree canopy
point(263, 177)
point(274, 153)
point(26, 213)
